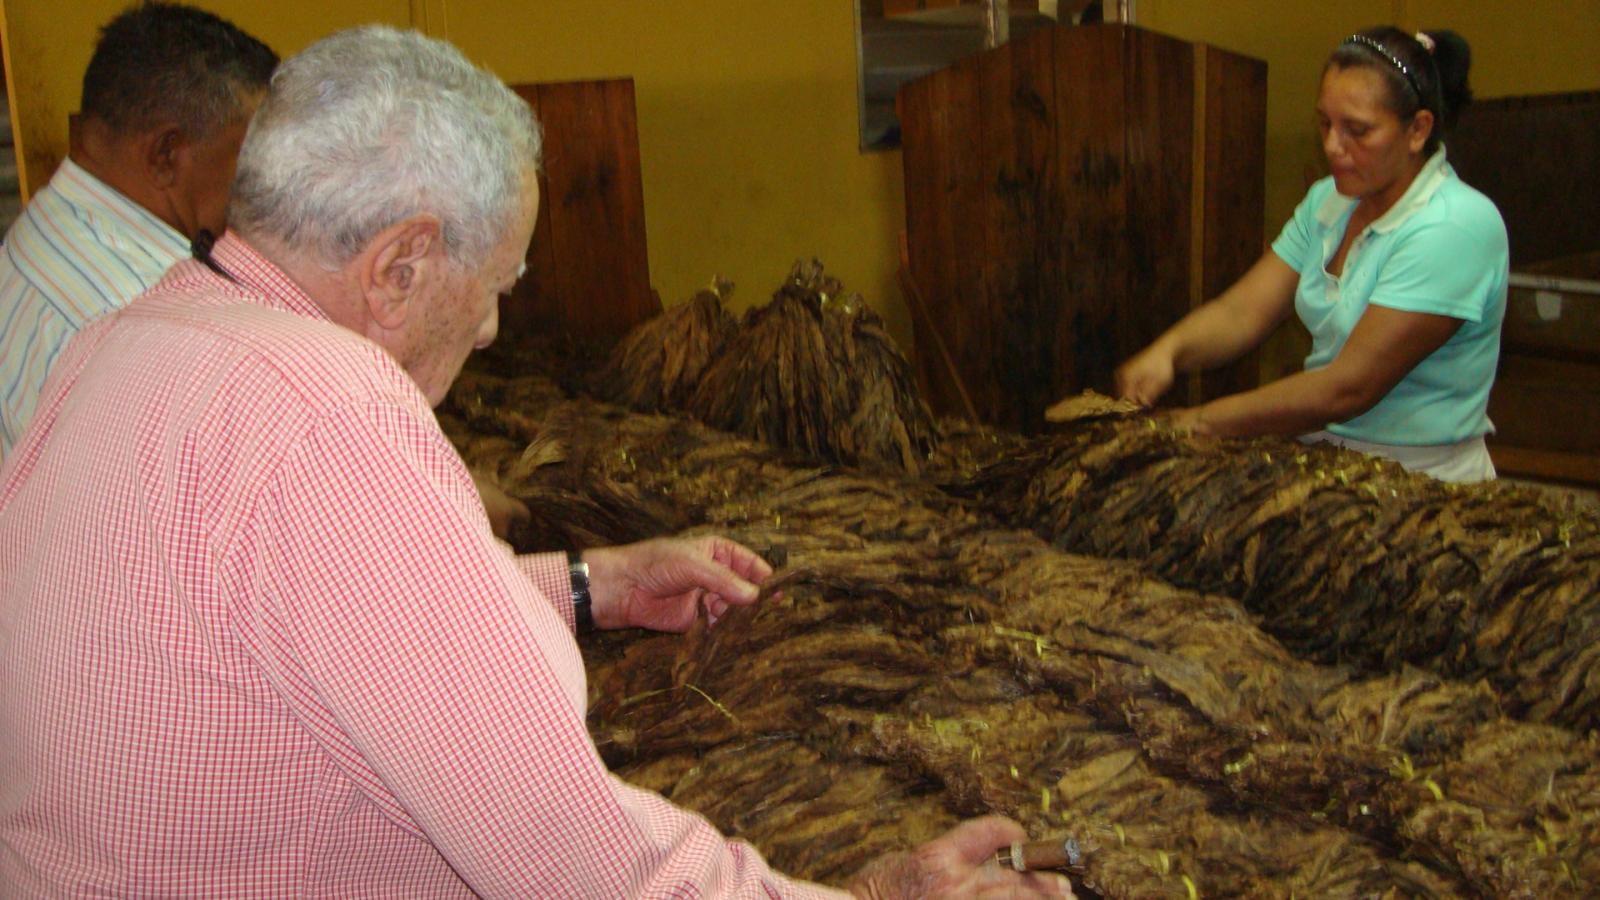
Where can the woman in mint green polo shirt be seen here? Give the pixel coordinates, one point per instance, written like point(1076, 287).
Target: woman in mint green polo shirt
point(1396, 266)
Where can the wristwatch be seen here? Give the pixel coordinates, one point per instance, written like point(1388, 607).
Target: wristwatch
point(582, 605)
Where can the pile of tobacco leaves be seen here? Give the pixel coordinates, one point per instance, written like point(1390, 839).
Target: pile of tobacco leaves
point(813, 371)
point(1258, 699)
point(1345, 557)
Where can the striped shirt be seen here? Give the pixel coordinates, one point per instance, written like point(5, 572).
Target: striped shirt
point(257, 640)
point(79, 250)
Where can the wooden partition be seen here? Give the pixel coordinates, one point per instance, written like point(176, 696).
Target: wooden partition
point(1538, 159)
point(1069, 196)
point(588, 270)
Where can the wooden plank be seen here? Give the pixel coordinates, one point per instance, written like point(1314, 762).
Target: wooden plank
point(921, 153)
point(959, 312)
point(1016, 98)
point(939, 352)
point(1573, 334)
point(535, 299)
point(1197, 191)
point(1582, 266)
point(593, 278)
point(939, 116)
point(1160, 183)
point(1503, 147)
point(1546, 404)
point(1234, 191)
point(1092, 119)
point(1554, 465)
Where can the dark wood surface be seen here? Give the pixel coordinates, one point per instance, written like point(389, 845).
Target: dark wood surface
point(1538, 158)
point(1016, 91)
point(1547, 404)
point(588, 269)
point(939, 166)
point(1235, 192)
point(1053, 191)
point(1084, 310)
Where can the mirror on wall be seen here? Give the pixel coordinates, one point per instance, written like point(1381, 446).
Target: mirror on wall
point(901, 40)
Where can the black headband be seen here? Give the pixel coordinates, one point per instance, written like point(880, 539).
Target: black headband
point(1383, 51)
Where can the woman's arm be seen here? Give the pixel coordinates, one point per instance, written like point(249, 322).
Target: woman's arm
point(1219, 332)
point(1385, 345)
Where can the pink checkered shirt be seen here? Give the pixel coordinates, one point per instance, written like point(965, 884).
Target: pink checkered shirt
point(256, 639)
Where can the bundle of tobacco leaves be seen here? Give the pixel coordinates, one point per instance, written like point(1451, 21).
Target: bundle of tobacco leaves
point(813, 371)
point(659, 364)
point(1346, 557)
point(925, 663)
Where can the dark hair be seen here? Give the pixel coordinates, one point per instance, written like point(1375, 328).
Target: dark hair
point(161, 61)
point(1416, 78)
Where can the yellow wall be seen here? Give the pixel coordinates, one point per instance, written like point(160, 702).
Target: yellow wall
point(1521, 47)
point(50, 42)
point(747, 109)
point(747, 132)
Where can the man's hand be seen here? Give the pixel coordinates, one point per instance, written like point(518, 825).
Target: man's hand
point(661, 584)
point(504, 510)
point(1147, 375)
point(958, 863)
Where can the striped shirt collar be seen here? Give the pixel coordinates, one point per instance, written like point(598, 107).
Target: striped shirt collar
point(82, 190)
point(1433, 173)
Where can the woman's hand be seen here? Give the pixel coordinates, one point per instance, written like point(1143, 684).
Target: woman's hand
point(662, 584)
point(1191, 420)
point(1146, 375)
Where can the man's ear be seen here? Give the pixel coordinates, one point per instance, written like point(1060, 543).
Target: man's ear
point(397, 264)
point(161, 152)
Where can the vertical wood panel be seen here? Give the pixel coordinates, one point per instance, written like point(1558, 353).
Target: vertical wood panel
point(1092, 117)
point(1160, 87)
point(1537, 159)
point(588, 268)
point(1016, 153)
point(520, 312)
point(1234, 193)
point(1051, 196)
point(939, 116)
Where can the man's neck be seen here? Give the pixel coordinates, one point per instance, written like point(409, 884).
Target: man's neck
point(332, 290)
point(114, 159)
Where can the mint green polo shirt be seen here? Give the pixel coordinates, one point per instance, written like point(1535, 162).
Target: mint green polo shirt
point(1441, 249)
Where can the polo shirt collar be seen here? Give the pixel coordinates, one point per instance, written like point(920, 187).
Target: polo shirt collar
point(1433, 173)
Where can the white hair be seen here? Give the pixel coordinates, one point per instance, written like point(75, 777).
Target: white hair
point(372, 125)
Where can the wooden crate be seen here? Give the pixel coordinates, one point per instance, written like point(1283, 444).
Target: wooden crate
point(588, 270)
point(1069, 196)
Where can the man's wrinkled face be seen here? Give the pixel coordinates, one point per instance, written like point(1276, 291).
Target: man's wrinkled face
point(461, 312)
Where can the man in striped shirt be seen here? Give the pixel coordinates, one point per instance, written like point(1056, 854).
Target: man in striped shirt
point(256, 639)
point(166, 98)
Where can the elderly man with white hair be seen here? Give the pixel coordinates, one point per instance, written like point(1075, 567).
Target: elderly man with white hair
point(256, 638)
